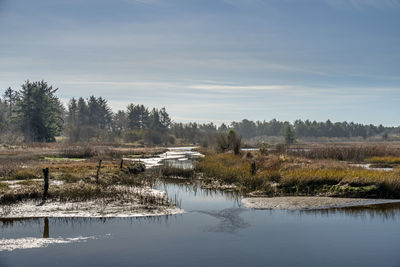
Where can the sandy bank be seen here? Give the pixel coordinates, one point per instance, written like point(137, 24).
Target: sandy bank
point(128, 202)
point(92, 209)
point(36, 242)
point(307, 203)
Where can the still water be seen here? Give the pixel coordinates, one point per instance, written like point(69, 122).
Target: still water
point(215, 231)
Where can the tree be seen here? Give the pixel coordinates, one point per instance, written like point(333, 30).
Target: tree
point(138, 117)
point(230, 141)
point(235, 142)
point(39, 112)
point(165, 120)
point(289, 134)
point(120, 122)
point(223, 128)
point(10, 97)
point(3, 116)
point(72, 111)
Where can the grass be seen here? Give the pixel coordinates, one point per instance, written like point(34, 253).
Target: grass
point(57, 159)
point(23, 174)
point(226, 167)
point(171, 171)
point(383, 160)
point(344, 152)
point(286, 175)
point(117, 185)
point(3, 186)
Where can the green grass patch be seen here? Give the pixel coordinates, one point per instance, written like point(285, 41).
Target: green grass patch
point(383, 160)
point(3, 186)
point(57, 159)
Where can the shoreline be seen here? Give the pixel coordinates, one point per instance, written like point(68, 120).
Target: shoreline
point(310, 203)
point(85, 209)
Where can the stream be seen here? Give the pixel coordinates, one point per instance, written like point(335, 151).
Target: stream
point(215, 230)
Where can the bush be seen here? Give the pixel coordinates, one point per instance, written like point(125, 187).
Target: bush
point(230, 141)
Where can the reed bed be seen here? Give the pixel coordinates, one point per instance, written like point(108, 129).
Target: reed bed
point(344, 152)
point(169, 170)
point(283, 175)
point(383, 160)
point(82, 191)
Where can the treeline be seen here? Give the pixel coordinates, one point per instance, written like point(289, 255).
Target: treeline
point(35, 114)
point(92, 120)
point(307, 128)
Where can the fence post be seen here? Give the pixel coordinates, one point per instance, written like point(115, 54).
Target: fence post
point(98, 172)
point(253, 168)
point(121, 164)
point(46, 183)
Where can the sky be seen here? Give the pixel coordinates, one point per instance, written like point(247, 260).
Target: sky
point(212, 60)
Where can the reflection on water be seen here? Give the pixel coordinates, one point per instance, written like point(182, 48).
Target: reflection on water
point(46, 228)
point(389, 211)
point(229, 220)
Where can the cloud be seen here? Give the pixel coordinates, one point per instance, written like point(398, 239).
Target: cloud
point(362, 4)
point(217, 87)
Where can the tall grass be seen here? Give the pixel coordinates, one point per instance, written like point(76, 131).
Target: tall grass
point(353, 152)
point(227, 167)
point(169, 170)
point(288, 175)
point(383, 160)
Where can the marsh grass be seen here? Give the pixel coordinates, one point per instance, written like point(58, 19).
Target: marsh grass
point(169, 170)
point(383, 160)
point(123, 190)
point(24, 174)
point(344, 152)
point(3, 186)
point(279, 175)
point(227, 167)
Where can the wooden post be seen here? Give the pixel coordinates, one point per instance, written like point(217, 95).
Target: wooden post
point(46, 182)
point(121, 164)
point(253, 168)
point(98, 172)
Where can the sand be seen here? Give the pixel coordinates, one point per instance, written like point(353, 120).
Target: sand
point(307, 203)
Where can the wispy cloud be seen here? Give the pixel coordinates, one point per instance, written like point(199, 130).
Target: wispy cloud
point(217, 87)
point(362, 4)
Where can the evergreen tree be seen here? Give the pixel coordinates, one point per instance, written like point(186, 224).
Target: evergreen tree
point(3, 116)
point(72, 114)
point(10, 96)
point(120, 122)
point(39, 112)
point(289, 135)
point(83, 112)
point(165, 120)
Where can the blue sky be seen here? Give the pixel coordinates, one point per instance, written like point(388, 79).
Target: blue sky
point(213, 60)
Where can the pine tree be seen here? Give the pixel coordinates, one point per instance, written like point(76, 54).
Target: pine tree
point(10, 96)
point(289, 134)
point(39, 112)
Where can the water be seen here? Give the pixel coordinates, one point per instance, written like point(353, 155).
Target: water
point(215, 231)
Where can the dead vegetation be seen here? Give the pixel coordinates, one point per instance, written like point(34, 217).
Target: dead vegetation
point(21, 175)
point(319, 170)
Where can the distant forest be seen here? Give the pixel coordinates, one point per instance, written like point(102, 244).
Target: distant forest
point(35, 114)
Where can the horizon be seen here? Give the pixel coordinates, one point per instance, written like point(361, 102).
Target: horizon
point(214, 61)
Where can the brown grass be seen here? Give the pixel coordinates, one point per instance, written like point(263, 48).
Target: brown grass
point(291, 175)
point(344, 152)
